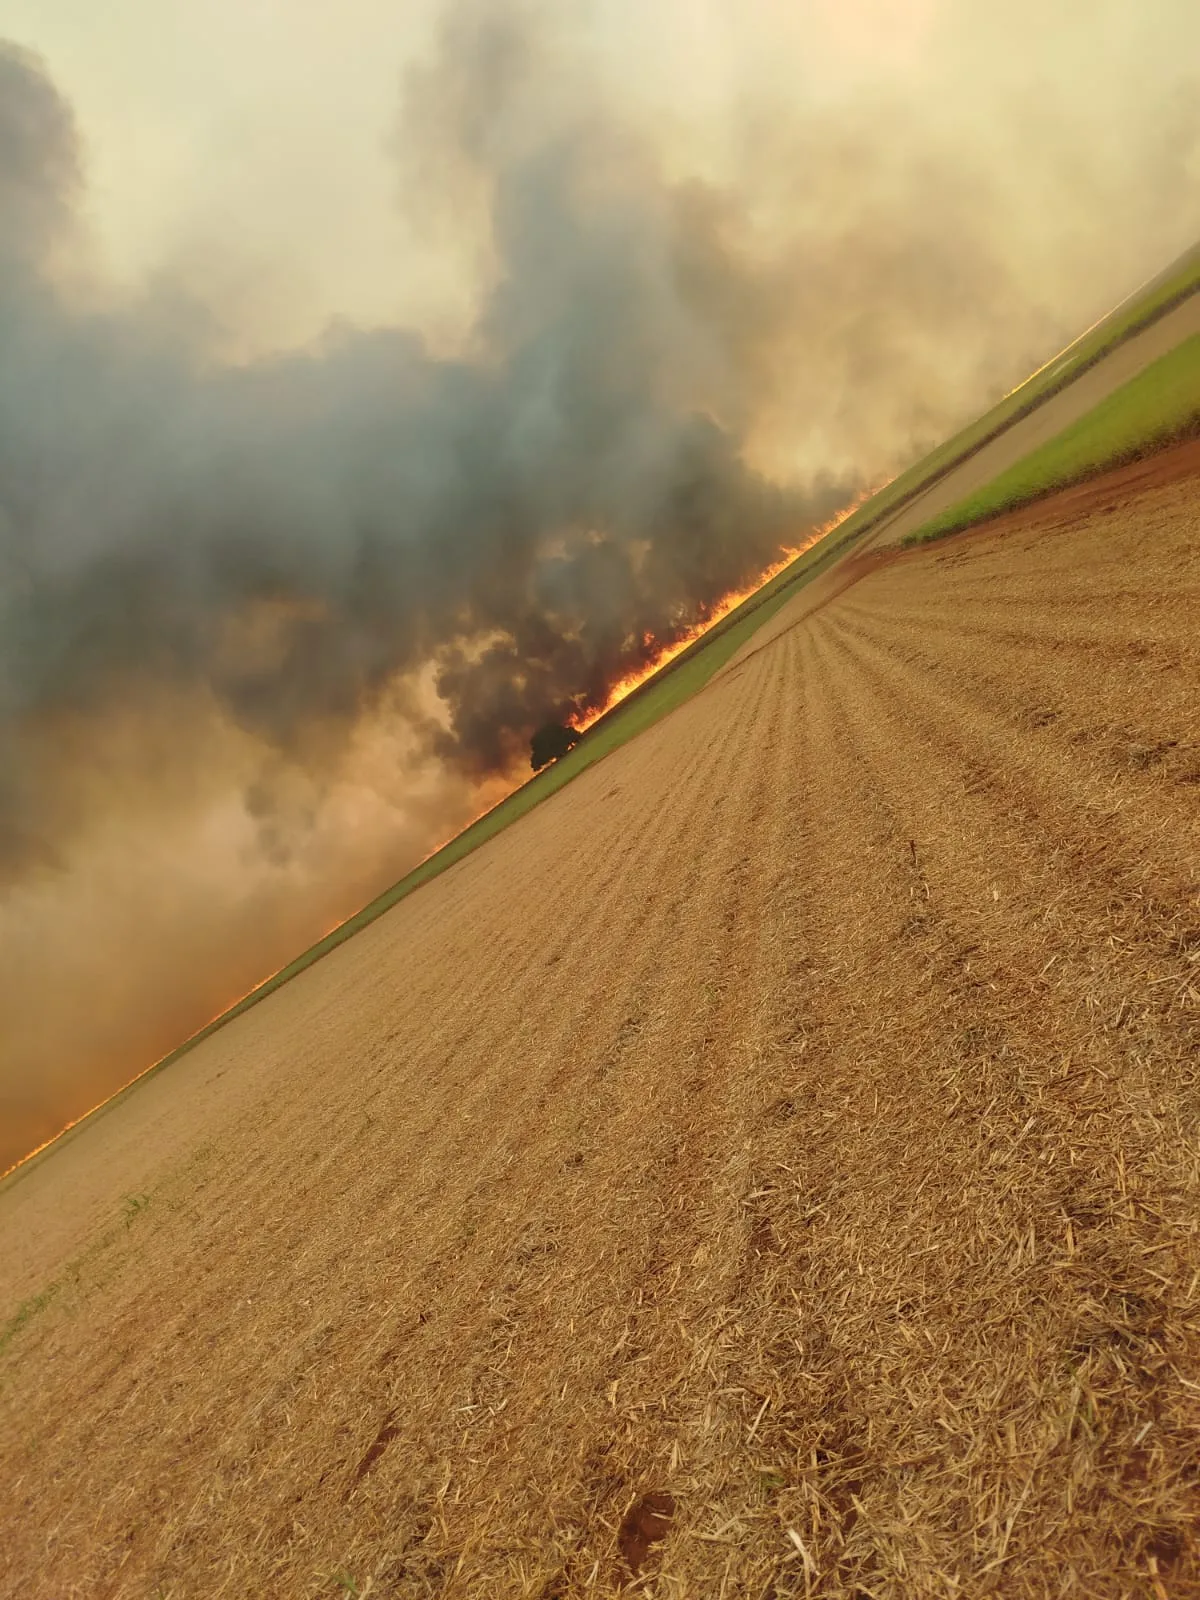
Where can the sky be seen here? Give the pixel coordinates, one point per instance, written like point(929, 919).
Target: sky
point(260, 134)
point(380, 378)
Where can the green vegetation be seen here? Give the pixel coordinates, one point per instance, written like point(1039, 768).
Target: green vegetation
point(98, 1256)
point(1157, 407)
point(1153, 300)
point(135, 1204)
point(25, 1312)
point(1162, 294)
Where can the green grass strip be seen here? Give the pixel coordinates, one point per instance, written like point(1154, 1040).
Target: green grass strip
point(1154, 300)
point(1157, 407)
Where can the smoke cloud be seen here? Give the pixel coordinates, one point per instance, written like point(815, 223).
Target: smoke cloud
point(269, 629)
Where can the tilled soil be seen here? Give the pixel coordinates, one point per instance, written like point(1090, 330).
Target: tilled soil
point(770, 1169)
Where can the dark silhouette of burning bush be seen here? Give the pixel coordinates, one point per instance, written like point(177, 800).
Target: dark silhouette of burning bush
point(550, 742)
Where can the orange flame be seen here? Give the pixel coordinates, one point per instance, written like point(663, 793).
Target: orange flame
point(634, 679)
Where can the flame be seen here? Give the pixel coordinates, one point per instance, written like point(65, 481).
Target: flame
point(661, 657)
point(666, 653)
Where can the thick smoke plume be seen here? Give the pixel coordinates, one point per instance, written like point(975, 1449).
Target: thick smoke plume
point(300, 536)
point(266, 629)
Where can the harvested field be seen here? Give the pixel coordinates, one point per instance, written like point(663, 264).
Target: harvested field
point(769, 1169)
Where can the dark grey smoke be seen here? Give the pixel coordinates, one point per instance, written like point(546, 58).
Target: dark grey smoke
point(296, 534)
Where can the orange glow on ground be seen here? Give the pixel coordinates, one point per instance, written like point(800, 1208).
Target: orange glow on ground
point(137, 1077)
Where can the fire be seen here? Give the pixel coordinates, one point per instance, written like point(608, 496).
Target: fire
point(634, 679)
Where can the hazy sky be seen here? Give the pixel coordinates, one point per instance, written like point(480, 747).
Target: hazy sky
point(254, 132)
point(249, 146)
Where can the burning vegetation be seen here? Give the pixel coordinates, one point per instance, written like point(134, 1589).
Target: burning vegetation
point(551, 742)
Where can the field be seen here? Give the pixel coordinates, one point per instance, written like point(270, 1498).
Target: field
point(655, 699)
point(770, 1169)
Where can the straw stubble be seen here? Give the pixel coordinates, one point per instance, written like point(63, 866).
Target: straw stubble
point(769, 1169)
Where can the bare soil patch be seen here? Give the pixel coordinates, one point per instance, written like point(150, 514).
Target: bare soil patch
point(771, 1168)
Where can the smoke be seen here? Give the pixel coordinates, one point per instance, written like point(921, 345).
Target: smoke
point(297, 535)
point(269, 629)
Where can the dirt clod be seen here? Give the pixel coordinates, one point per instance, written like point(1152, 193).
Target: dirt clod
point(647, 1521)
